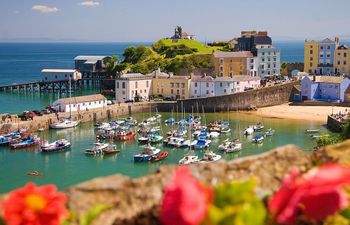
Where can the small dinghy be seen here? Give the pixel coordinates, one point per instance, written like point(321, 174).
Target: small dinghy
point(161, 156)
point(147, 154)
point(248, 131)
point(34, 173)
point(258, 139)
point(258, 127)
point(25, 143)
point(97, 149)
point(270, 132)
point(210, 156)
point(111, 149)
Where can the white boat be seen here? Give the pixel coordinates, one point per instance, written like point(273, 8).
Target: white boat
point(248, 131)
point(202, 144)
point(56, 146)
point(230, 146)
point(97, 148)
point(258, 127)
point(189, 159)
point(270, 132)
point(310, 131)
point(226, 130)
point(214, 135)
point(181, 143)
point(147, 154)
point(258, 139)
point(64, 124)
point(210, 156)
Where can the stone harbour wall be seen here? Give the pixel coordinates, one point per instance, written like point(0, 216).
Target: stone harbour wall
point(113, 111)
point(137, 201)
point(264, 97)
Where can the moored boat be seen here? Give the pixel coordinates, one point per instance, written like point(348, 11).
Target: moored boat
point(65, 124)
point(111, 149)
point(230, 146)
point(161, 156)
point(210, 156)
point(25, 143)
point(124, 135)
point(202, 144)
point(258, 139)
point(270, 132)
point(248, 131)
point(97, 148)
point(56, 146)
point(190, 158)
point(309, 131)
point(258, 127)
point(147, 154)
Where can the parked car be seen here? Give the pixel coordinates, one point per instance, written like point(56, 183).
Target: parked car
point(129, 101)
point(169, 98)
point(158, 100)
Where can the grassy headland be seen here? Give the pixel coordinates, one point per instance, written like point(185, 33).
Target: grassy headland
point(169, 55)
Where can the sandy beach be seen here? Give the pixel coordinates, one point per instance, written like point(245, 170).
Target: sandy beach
point(310, 113)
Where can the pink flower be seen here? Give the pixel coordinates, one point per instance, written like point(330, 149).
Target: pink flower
point(33, 205)
point(317, 194)
point(185, 201)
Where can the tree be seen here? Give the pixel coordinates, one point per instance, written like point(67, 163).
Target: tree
point(110, 63)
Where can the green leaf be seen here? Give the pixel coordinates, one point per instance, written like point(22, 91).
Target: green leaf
point(93, 213)
point(236, 203)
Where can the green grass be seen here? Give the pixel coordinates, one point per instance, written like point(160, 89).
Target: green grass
point(202, 48)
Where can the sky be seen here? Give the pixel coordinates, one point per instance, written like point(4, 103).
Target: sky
point(149, 20)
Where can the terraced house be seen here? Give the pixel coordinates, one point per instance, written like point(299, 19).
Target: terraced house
point(169, 85)
point(319, 57)
point(342, 60)
point(227, 64)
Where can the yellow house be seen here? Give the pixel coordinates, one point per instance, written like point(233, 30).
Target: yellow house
point(175, 86)
point(310, 57)
point(231, 63)
point(342, 60)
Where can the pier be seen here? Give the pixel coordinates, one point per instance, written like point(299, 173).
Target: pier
point(52, 86)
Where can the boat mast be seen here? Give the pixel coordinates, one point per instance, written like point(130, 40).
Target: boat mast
point(70, 96)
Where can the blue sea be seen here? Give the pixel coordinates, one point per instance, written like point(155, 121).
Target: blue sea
point(22, 62)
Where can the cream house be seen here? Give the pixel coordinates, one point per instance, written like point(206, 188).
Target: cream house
point(133, 86)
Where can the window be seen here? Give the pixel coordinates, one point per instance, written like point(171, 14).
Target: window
point(118, 85)
point(172, 91)
point(162, 91)
point(177, 85)
point(140, 91)
point(178, 92)
point(344, 63)
point(145, 91)
point(338, 62)
point(65, 75)
point(207, 84)
point(136, 84)
point(147, 83)
point(207, 92)
point(195, 84)
point(183, 85)
point(311, 52)
point(321, 55)
point(123, 92)
point(263, 53)
point(132, 92)
point(221, 74)
point(310, 64)
point(220, 84)
point(321, 47)
point(221, 61)
point(263, 59)
point(328, 55)
point(183, 92)
point(328, 47)
point(224, 90)
point(172, 85)
point(345, 54)
point(221, 68)
point(123, 84)
point(56, 76)
point(311, 58)
point(195, 91)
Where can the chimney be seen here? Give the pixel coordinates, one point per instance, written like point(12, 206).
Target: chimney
point(336, 39)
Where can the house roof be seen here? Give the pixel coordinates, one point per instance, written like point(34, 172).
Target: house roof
point(58, 71)
point(327, 40)
point(187, 34)
point(328, 79)
point(91, 58)
point(240, 54)
point(202, 79)
point(82, 99)
point(133, 76)
point(343, 47)
point(237, 78)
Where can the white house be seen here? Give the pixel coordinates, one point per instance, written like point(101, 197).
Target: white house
point(132, 86)
point(324, 88)
point(49, 75)
point(267, 62)
point(80, 103)
point(234, 84)
point(202, 86)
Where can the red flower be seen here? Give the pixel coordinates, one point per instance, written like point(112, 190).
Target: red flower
point(185, 200)
point(33, 205)
point(317, 194)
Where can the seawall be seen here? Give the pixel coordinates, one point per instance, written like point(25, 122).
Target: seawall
point(263, 97)
point(12, 122)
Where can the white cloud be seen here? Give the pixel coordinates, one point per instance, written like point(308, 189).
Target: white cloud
point(90, 4)
point(44, 9)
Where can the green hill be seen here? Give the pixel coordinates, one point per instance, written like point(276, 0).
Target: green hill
point(196, 46)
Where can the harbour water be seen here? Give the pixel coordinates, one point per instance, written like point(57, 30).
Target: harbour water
point(71, 167)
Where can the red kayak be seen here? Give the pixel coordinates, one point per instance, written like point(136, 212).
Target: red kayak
point(161, 156)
